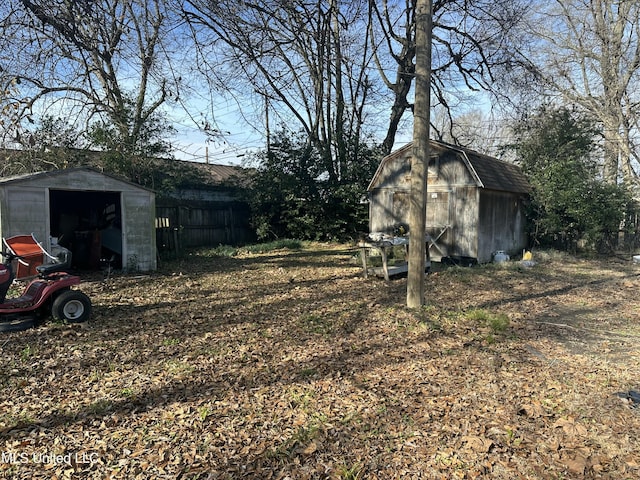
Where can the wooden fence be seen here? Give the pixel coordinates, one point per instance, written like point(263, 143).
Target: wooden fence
point(187, 226)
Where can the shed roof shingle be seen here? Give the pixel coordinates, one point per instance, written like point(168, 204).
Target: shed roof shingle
point(496, 174)
point(489, 172)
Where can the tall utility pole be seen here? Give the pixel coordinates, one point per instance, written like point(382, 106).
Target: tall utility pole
point(420, 156)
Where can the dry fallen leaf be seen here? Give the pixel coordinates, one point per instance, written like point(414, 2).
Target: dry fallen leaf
point(478, 444)
point(570, 427)
point(532, 410)
point(311, 448)
point(226, 371)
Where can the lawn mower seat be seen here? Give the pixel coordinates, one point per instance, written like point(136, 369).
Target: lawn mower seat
point(30, 251)
point(61, 263)
point(33, 256)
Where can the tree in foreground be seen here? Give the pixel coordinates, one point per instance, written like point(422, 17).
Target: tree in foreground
point(420, 155)
point(570, 201)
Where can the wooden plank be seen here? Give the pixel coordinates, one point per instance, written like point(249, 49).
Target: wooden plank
point(392, 270)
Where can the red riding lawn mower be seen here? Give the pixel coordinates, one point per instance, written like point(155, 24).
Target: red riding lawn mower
point(48, 294)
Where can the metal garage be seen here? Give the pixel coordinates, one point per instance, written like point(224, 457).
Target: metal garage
point(94, 215)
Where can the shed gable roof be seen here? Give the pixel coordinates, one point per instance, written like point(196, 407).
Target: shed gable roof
point(488, 172)
point(178, 173)
point(69, 171)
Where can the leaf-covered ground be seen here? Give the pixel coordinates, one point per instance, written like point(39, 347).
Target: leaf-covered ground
point(291, 365)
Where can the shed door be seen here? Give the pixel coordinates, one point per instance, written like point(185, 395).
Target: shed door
point(89, 223)
point(438, 219)
point(439, 223)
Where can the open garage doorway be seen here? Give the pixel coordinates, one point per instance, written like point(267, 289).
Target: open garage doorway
point(89, 224)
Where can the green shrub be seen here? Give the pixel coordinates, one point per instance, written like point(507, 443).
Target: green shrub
point(569, 202)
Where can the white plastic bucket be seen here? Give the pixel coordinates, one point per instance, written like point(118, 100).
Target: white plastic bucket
point(500, 256)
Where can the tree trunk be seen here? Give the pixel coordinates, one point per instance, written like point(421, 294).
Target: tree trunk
point(420, 157)
point(400, 104)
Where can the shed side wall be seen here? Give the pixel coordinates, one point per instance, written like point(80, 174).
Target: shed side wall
point(501, 224)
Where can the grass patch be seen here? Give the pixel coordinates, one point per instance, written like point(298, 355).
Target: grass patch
point(353, 472)
point(21, 420)
point(299, 442)
point(301, 397)
point(27, 353)
point(271, 246)
point(258, 248)
point(497, 322)
point(313, 323)
point(129, 393)
point(308, 372)
point(178, 368)
point(100, 407)
point(223, 251)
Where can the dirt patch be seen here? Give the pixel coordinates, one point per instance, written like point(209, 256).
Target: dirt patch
point(291, 365)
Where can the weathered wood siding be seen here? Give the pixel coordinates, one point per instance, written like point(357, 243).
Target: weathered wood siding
point(465, 226)
point(452, 207)
point(382, 217)
point(501, 224)
point(466, 219)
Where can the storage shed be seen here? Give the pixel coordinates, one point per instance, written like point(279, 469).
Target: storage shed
point(95, 215)
point(474, 202)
